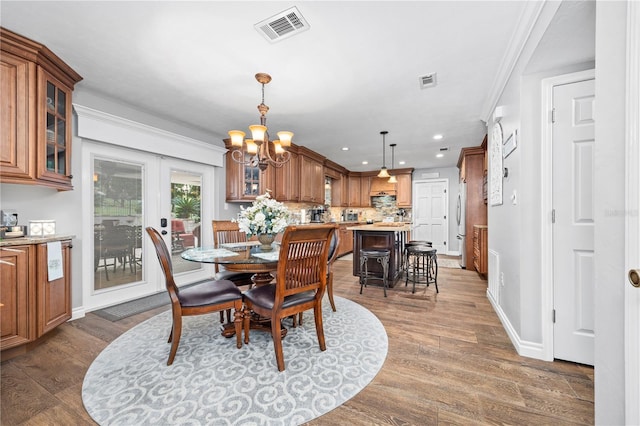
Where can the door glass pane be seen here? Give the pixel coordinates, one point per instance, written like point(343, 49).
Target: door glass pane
point(117, 223)
point(185, 217)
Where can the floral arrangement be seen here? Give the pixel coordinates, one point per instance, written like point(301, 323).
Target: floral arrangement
point(265, 216)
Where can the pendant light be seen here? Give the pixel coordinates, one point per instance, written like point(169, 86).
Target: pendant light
point(383, 171)
point(393, 179)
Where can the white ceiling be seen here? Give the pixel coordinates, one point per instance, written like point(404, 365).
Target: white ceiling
point(354, 73)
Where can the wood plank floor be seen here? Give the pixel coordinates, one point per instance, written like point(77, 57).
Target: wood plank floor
point(449, 362)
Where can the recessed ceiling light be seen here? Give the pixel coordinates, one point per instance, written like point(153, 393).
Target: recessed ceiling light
point(402, 163)
point(440, 155)
point(437, 137)
point(345, 148)
point(365, 162)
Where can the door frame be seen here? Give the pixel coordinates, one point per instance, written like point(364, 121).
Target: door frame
point(546, 204)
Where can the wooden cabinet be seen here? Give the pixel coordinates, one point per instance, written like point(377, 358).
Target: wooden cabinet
point(17, 296)
point(311, 176)
point(365, 191)
point(53, 297)
point(339, 183)
point(35, 91)
point(32, 305)
point(480, 249)
point(404, 190)
point(471, 165)
point(287, 179)
point(346, 240)
point(245, 182)
point(354, 190)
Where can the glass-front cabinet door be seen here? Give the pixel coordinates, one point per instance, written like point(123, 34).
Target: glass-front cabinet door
point(54, 132)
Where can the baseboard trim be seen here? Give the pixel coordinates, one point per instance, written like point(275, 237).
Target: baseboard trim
point(523, 347)
point(77, 313)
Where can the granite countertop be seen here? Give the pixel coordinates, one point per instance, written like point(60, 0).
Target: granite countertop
point(382, 227)
point(33, 240)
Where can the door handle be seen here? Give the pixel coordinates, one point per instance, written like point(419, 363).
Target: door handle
point(634, 277)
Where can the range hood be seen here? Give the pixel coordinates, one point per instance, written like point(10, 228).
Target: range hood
point(381, 187)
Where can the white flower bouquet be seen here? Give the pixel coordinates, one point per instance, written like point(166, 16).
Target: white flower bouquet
point(265, 216)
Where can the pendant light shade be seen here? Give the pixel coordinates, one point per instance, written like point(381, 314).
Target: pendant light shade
point(383, 171)
point(393, 179)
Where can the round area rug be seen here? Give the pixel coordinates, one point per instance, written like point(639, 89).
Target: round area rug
point(212, 382)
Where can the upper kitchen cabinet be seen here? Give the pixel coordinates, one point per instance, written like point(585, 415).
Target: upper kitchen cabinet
point(36, 113)
point(339, 183)
point(287, 179)
point(311, 176)
point(404, 187)
point(245, 181)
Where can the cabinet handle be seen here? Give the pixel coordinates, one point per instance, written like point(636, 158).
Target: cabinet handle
point(11, 250)
point(4, 262)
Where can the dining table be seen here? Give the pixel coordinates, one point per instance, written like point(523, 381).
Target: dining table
point(241, 257)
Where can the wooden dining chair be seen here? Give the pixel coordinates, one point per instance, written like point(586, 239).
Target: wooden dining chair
point(203, 298)
point(226, 231)
point(300, 283)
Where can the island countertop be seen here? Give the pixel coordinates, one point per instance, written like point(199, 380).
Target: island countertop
point(382, 227)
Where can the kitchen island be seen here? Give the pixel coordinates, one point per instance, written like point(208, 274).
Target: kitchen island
point(382, 235)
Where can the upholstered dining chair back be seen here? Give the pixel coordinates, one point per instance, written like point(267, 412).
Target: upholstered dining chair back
point(202, 298)
point(300, 283)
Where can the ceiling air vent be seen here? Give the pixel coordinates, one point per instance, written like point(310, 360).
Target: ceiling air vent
point(428, 80)
point(444, 148)
point(284, 24)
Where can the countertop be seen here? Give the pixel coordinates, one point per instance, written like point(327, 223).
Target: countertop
point(393, 227)
point(33, 240)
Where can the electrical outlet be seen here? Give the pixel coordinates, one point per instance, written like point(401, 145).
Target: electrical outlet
point(502, 279)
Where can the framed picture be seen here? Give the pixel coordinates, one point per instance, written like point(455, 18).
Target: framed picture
point(510, 144)
point(495, 163)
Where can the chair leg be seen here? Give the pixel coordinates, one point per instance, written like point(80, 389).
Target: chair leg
point(317, 314)
point(276, 334)
point(246, 322)
point(329, 292)
point(175, 332)
point(237, 322)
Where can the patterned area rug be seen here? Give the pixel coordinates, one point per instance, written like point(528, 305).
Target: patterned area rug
point(448, 263)
point(211, 382)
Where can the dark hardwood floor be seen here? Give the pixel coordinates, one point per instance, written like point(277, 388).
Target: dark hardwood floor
point(449, 362)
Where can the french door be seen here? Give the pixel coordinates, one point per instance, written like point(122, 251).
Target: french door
point(132, 190)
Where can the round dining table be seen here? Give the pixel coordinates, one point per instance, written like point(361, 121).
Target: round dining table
point(239, 257)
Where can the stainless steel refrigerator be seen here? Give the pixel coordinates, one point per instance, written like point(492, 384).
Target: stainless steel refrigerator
point(460, 218)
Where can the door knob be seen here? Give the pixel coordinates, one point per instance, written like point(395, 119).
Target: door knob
point(634, 277)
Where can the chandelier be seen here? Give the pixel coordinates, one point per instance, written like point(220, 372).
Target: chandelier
point(259, 151)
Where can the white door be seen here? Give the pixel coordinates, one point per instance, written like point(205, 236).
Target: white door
point(430, 213)
point(183, 197)
point(132, 190)
point(632, 294)
point(573, 230)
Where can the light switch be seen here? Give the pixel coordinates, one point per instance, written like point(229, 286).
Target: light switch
point(514, 198)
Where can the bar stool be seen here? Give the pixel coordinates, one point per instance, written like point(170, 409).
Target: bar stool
point(405, 258)
point(423, 262)
point(382, 257)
